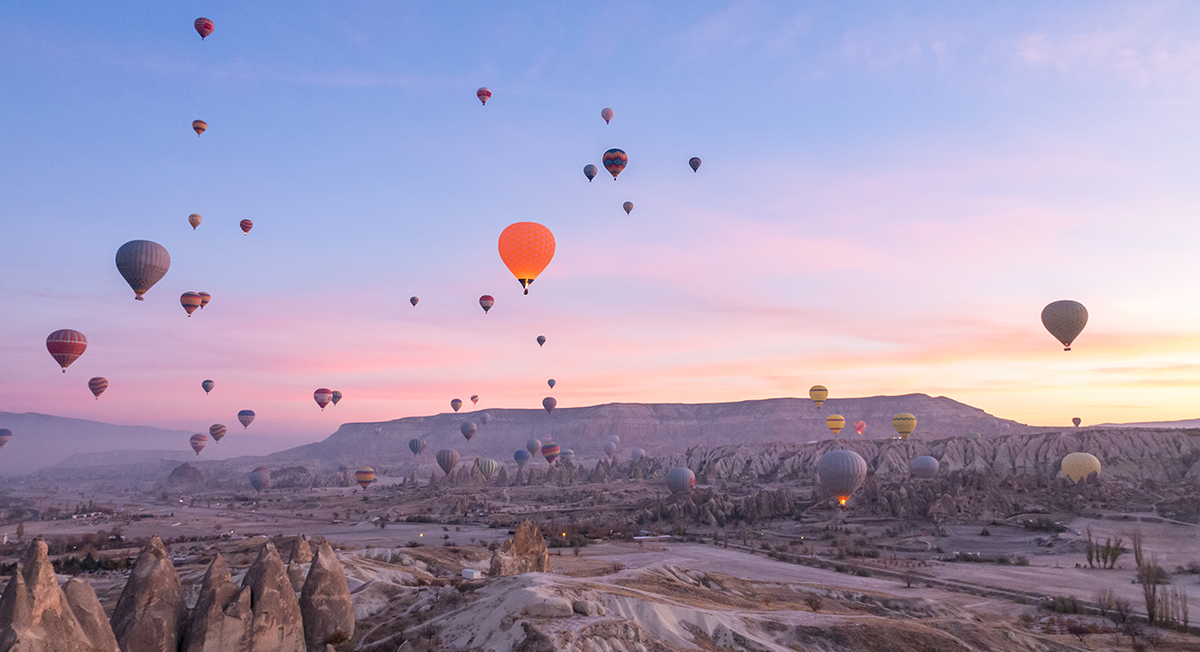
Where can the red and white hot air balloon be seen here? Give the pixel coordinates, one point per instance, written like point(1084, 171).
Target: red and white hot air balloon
point(65, 346)
point(204, 27)
point(484, 94)
point(323, 397)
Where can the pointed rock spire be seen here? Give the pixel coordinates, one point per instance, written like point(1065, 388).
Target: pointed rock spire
point(218, 622)
point(151, 613)
point(325, 602)
point(277, 625)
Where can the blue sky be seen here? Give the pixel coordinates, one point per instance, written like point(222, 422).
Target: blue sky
point(890, 193)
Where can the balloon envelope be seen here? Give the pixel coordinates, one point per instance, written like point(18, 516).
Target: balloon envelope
point(637, 454)
point(550, 452)
point(208, 386)
point(486, 302)
point(199, 126)
point(860, 426)
point(842, 472)
point(194, 219)
point(260, 478)
point(1077, 466)
point(488, 468)
point(413, 300)
point(204, 27)
point(484, 94)
point(614, 161)
point(447, 459)
point(526, 249)
point(607, 114)
point(589, 171)
point(566, 455)
point(522, 457)
point(541, 339)
point(628, 206)
point(198, 442)
point(818, 394)
point(904, 424)
point(681, 480)
point(924, 466)
point(190, 301)
point(549, 403)
point(323, 396)
point(551, 383)
point(835, 423)
point(246, 417)
point(474, 399)
point(609, 448)
point(533, 445)
point(1065, 321)
point(142, 263)
point(246, 225)
point(468, 429)
point(364, 476)
point(217, 431)
point(456, 404)
point(616, 439)
point(204, 299)
point(65, 346)
point(98, 385)
point(416, 446)
point(336, 396)
point(694, 162)
point(1076, 421)
point(5, 436)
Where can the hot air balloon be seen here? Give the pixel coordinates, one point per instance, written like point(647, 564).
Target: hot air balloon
point(204, 27)
point(842, 472)
point(549, 403)
point(541, 340)
point(695, 163)
point(609, 448)
point(526, 248)
point(468, 429)
point(474, 399)
point(260, 478)
point(860, 426)
point(904, 423)
point(607, 114)
point(413, 300)
point(65, 346)
point(190, 301)
point(533, 445)
point(5, 436)
point(217, 431)
point(637, 454)
point(551, 383)
point(522, 458)
point(589, 171)
point(614, 161)
point(199, 126)
point(204, 299)
point(550, 452)
point(924, 467)
point(628, 206)
point(335, 397)
point(486, 302)
point(323, 396)
point(246, 226)
point(566, 455)
point(1065, 321)
point(98, 385)
point(1076, 421)
point(246, 417)
point(1078, 466)
point(456, 404)
point(485, 418)
point(142, 263)
point(447, 459)
point(198, 442)
point(364, 476)
point(681, 480)
point(483, 94)
point(208, 386)
point(416, 446)
point(616, 439)
point(378, 429)
point(194, 219)
point(818, 394)
point(488, 468)
point(835, 422)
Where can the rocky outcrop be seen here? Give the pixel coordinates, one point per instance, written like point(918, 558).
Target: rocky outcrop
point(525, 552)
point(92, 619)
point(325, 603)
point(301, 551)
point(276, 624)
point(35, 614)
point(150, 615)
point(220, 621)
point(185, 476)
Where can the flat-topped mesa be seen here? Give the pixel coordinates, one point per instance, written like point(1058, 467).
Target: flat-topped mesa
point(151, 613)
point(221, 619)
point(325, 602)
point(277, 625)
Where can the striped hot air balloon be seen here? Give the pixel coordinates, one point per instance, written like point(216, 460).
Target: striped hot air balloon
point(65, 346)
point(860, 426)
point(818, 394)
point(835, 423)
point(190, 301)
point(488, 468)
point(194, 219)
point(447, 459)
point(526, 249)
point(474, 399)
point(98, 385)
point(199, 126)
point(924, 466)
point(486, 302)
point(246, 417)
point(260, 478)
point(550, 452)
point(246, 226)
point(217, 431)
point(416, 446)
point(484, 94)
point(204, 27)
point(364, 476)
point(142, 263)
point(198, 442)
point(323, 396)
point(204, 299)
point(614, 161)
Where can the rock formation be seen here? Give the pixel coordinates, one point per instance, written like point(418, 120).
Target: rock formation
point(276, 624)
point(185, 476)
point(325, 603)
point(92, 619)
point(525, 552)
point(220, 621)
point(151, 614)
point(37, 616)
point(301, 552)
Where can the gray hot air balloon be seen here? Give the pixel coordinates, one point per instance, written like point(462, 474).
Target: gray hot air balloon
point(5, 436)
point(628, 206)
point(567, 455)
point(1065, 321)
point(486, 418)
point(416, 446)
point(842, 472)
point(924, 467)
point(551, 383)
point(260, 478)
point(589, 171)
point(208, 386)
point(609, 448)
point(522, 457)
point(549, 403)
point(488, 468)
point(616, 439)
point(1076, 421)
point(142, 263)
point(541, 339)
point(468, 429)
point(694, 162)
point(681, 479)
point(447, 459)
point(534, 446)
point(637, 454)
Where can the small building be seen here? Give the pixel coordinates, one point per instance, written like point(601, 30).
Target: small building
point(472, 574)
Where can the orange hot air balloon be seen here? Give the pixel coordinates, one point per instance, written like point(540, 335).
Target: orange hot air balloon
point(204, 299)
point(190, 301)
point(65, 346)
point(526, 248)
point(246, 226)
point(194, 219)
point(200, 126)
point(860, 426)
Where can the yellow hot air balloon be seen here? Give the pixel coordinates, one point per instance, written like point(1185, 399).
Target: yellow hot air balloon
point(905, 424)
point(1065, 321)
point(818, 394)
point(1078, 466)
point(835, 422)
point(526, 248)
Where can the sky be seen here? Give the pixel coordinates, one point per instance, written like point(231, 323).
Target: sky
point(890, 193)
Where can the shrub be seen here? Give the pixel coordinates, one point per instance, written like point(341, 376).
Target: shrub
point(814, 601)
point(1022, 560)
point(985, 532)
